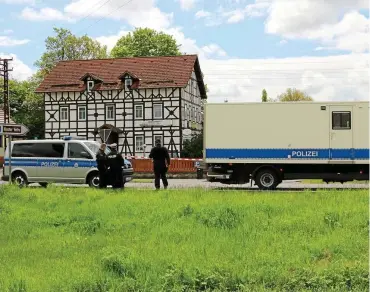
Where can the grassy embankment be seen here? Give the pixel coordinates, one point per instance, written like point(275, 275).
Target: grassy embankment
point(78, 239)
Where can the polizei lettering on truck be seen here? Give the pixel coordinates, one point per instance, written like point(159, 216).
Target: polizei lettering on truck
point(305, 153)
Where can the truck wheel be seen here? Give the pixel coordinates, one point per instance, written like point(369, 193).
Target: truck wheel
point(93, 180)
point(19, 179)
point(267, 179)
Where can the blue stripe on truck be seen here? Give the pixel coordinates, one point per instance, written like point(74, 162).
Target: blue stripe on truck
point(307, 154)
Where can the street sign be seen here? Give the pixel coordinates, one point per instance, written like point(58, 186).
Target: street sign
point(13, 129)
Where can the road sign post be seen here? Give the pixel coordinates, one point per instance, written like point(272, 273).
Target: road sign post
point(11, 130)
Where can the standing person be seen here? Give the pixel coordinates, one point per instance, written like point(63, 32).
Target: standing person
point(115, 162)
point(102, 164)
point(161, 162)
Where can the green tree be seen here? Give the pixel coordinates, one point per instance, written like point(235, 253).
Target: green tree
point(294, 95)
point(66, 46)
point(193, 148)
point(264, 95)
point(144, 42)
point(26, 107)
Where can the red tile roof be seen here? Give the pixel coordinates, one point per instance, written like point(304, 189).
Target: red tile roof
point(153, 72)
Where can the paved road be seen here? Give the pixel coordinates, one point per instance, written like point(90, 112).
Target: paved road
point(195, 183)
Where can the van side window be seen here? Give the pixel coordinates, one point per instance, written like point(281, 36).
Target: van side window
point(76, 150)
point(341, 120)
point(37, 150)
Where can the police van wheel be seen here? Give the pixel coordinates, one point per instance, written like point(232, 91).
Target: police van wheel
point(19, 179)
point(93, 180)
point(267, 179)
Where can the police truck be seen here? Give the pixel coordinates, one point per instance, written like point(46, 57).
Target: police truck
point(268, 142)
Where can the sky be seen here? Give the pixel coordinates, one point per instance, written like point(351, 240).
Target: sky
point(244, 46)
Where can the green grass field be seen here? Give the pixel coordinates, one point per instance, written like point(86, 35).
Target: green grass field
point(78, 239)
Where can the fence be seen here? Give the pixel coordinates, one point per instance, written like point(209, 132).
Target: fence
point(178, 165)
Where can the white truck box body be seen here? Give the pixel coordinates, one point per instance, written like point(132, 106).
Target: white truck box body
point(286, 132)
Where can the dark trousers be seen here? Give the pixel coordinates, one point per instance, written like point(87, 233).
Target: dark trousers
point(160, 173)
point(103, 179)
point(117, 179)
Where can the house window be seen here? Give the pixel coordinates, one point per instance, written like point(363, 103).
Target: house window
point(110, 112)
point(64, 113)
point(157, 111)
point(158, 137)
point(139, 143)
point(82, 113)
point(128, 83)
point(90, 85)
point(139, 111)
point(341, 120)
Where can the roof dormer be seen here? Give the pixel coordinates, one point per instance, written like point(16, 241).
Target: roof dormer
point(129, 80)
point(90, 80)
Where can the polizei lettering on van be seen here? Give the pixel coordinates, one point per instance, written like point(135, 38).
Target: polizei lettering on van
point(306, 153)
point(49, 164)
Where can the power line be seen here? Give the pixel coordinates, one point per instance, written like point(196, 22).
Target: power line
point(93, 10)
point(104, 16)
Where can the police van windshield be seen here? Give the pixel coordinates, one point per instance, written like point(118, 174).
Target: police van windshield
point(94, 147)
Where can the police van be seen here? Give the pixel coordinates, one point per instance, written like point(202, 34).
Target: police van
point(67, 161)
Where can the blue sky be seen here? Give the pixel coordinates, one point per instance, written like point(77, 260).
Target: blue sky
point(218, 31)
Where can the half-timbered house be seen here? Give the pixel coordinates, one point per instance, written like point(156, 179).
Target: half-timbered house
point(128, 101)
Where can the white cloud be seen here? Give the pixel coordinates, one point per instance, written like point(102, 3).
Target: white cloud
point(18, 1)
point(6, 41)
point(7, 31)
point(324, 78)
point(202, 13)
point(43, 14)
point(141, 13)
point(20, 70)
point(187, 4)
point(222, 15)
point(336, 24)
point(111, 40)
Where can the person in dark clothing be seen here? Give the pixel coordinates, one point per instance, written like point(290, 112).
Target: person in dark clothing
point(161, 162)
point(115, 162)
point(102, 164)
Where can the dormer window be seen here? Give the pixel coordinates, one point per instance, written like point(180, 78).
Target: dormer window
point(90, 85)
point(128, 83)
point(129, 80)
point(90, 81)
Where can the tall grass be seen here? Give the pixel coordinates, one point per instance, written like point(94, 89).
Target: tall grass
point(77, 239)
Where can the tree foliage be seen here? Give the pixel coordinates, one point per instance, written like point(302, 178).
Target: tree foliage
point(26, 107)
point(294, 95)
point(264, 95)
point(144, 42)
point(193, 148)
point(66, 46)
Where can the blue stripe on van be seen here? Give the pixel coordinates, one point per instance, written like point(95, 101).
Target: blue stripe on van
point(307, 154)
point(50, 163)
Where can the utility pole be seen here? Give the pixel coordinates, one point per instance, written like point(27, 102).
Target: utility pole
point(4, 89)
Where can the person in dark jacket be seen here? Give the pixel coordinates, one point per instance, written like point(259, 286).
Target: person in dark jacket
point(161, 162)
point(115, 162)
point(102, 164)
